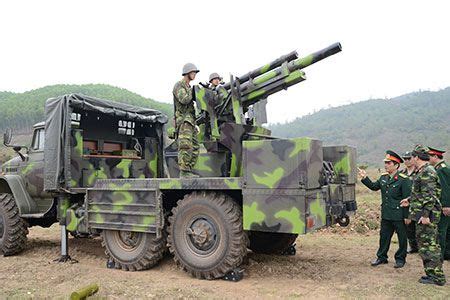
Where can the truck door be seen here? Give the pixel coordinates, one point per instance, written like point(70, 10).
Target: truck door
point(32, 169)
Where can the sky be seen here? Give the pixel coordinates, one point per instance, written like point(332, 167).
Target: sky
point(389, 47)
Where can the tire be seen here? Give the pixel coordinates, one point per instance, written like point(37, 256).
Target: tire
point(270, 242)
point(13, 229)
point(133, 251)
point(206, 235)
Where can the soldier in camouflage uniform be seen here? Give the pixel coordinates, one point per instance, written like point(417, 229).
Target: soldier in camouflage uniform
point(410, 171)
point(425, 208)
point(185, 126)
point(443, 171)
point(394, 187)
point(215, 85)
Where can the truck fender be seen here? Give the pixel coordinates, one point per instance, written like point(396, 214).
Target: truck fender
point(15, 185)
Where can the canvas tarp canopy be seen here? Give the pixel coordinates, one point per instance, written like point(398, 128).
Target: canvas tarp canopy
point(58, 112)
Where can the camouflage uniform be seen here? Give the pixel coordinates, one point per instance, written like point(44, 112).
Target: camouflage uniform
point(424, 202)
point(188, 146)
point(221, 93)
point(411, 228)
point(443, 171)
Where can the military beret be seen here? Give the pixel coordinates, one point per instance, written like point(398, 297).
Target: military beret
point(434, 151)
point(421, 152)
point(392, 156)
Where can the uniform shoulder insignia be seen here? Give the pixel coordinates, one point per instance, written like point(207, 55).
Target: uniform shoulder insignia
point(403, 175)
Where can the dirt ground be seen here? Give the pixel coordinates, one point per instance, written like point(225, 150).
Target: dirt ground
point(327, 265)
point(331, 263)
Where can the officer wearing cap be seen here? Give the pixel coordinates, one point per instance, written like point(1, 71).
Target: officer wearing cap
point(410, 171)
point(425, 208)
point(443, 172)
point(394, 187)
point(215, 84)
point(185, 126)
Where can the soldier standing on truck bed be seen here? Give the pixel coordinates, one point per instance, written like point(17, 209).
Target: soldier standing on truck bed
point(443, 171)
point(215, 84)
point(425, 208)
point(394, 187)
point(410, 171)
point(185, 127)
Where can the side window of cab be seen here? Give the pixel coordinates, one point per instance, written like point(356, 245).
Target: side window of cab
point(38, 140)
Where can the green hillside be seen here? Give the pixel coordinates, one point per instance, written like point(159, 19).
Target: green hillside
point(375, 125)
point(21, 110)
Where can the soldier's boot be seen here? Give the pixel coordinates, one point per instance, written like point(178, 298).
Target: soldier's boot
point(188, 174)
point(429, 280)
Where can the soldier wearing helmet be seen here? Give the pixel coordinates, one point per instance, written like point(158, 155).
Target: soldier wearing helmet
point(184, 116)
point(215, 84)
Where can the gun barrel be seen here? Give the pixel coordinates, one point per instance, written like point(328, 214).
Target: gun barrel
point(308, 60)
point(261, 70)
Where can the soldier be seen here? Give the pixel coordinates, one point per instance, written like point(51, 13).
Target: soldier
point(214, 80)
point(394, 186)
point(425, 208)
point(410, 171)
point(185, 127)
point(443, 171)
point(214, 84)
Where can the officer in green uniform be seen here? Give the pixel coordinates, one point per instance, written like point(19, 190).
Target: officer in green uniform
point(443, 172)
point(410, 171)
point(394, 187)
point(185, 126)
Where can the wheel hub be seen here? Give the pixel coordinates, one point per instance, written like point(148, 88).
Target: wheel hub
point(2, 227)
point(202, 234)
point(128, 240)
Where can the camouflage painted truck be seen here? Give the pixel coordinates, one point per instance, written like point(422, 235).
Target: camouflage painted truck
point(103, 168)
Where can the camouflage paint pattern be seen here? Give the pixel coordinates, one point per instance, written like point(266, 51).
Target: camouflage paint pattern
point(86, 170)
point(207, 100)
point(32, 173)
point(344, 162)
point(135, 205)
point(188, 147)
point(283, 163)
point(282, 191)
point(123, 207)
point(209, 164)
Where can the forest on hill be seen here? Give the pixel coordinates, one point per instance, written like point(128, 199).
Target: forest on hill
point(372, 125)
point(21, 110)
point(379, 124)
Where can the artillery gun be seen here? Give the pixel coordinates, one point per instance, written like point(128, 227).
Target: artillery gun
point(119, 180)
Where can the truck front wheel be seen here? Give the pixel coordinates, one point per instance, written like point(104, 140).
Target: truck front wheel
point(206, 235)
point(133, 251)
point(13, 229)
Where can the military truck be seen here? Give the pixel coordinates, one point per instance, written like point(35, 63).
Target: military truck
point(103, 168)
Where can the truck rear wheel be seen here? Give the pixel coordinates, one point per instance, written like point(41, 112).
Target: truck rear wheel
point(270, 242)
point(206, 235)
point(133, 251)
point(13, 229)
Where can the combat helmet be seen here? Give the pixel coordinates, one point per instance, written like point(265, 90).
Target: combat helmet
point(188, 68)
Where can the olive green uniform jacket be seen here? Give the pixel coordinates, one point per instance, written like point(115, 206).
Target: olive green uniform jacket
point(393, 190)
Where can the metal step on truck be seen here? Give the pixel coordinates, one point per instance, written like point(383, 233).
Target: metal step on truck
point(99, 167)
